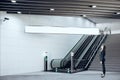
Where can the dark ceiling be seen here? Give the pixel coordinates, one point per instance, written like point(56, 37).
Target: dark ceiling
point(102, 8)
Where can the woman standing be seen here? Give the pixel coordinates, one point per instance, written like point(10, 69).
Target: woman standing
point(102, 59)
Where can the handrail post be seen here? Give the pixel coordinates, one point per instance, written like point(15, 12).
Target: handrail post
point(45, 61)
point(72, 69)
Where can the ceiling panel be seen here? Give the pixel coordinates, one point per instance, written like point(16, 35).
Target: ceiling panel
point(104, 8)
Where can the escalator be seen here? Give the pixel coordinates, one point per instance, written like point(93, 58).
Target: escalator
point(84, 52)
point(66, 59)
point(60, 63)
point(89, 56)
point(77, 49)
point(67, 62)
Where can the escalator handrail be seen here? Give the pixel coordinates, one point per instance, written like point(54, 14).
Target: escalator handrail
point(89, 38)
point(74, 47)
point(88, 53)
point(68, 55)
point(86, 49)
point(80, 43)
point(84, 45)
point(104, 37)
point(93, 47)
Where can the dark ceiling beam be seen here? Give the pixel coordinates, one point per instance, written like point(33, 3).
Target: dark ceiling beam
point(47, 11)
point(84, 3)
point(44, 12)
point(73, 1)
point(59, 14)
point(69, 14)
point(59, 9)
point(65, 4)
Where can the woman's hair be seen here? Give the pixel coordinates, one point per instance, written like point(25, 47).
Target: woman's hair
point(103, 47)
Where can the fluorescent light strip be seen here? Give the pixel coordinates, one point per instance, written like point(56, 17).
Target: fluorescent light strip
point(61, 30)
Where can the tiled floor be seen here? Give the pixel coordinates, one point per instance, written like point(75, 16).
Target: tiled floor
point(86, 75)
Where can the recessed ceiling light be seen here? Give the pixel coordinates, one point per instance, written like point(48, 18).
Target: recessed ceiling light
point(13, 1)
point(117, 13)
point(94, 6)
point(84, 15)
point(52, 9)
point(19, 12)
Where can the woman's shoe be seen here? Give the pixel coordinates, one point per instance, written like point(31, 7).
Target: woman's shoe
point(102, 75)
